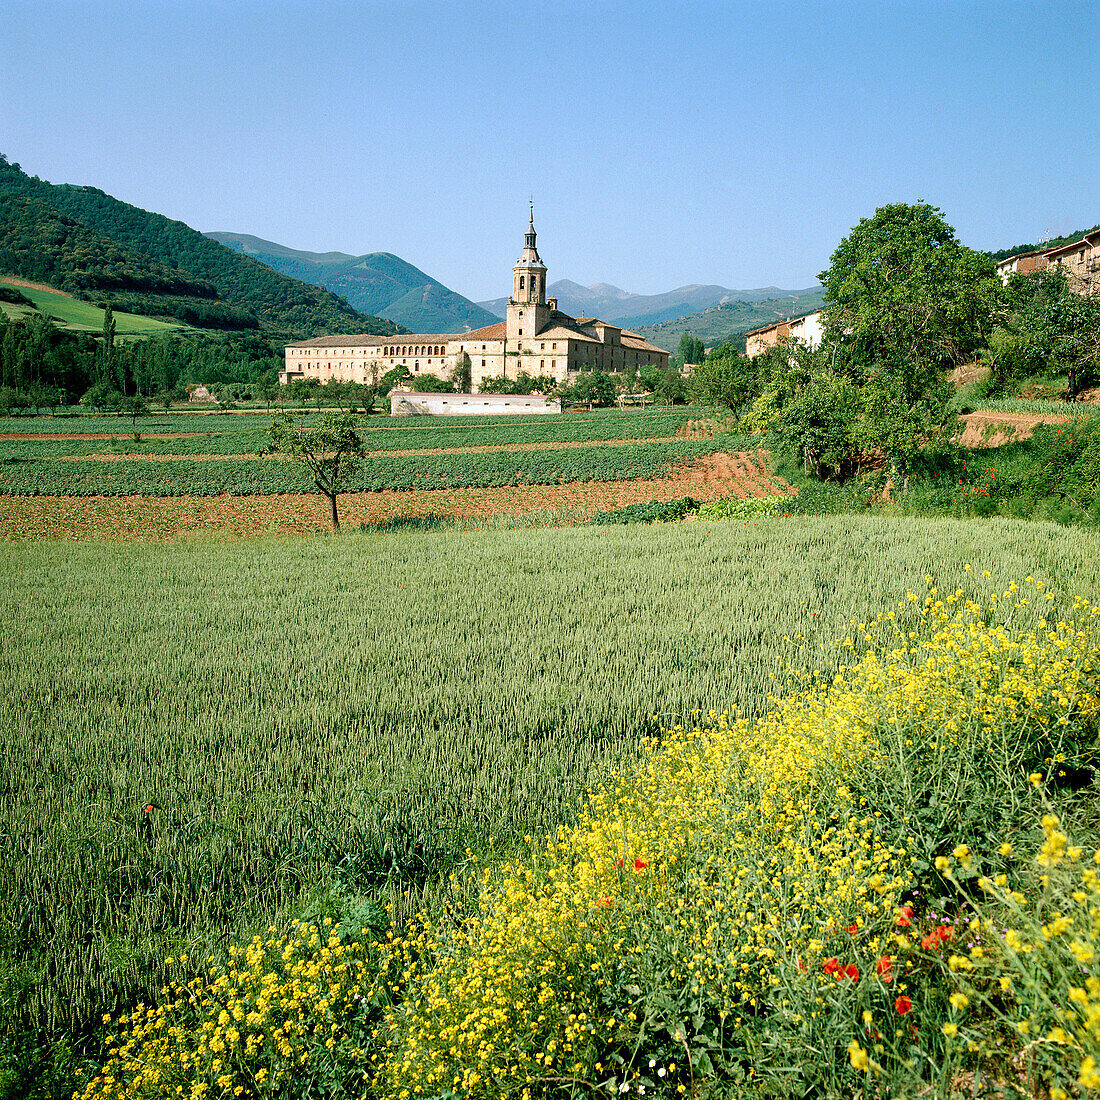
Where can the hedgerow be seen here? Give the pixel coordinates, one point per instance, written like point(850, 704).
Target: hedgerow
point(799, 903)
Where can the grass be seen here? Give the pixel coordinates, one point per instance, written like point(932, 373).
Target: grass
point(353, 714)
point(79, 316)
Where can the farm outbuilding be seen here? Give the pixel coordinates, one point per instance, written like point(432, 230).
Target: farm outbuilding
point(404, 403)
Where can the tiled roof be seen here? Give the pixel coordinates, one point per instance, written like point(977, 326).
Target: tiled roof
point(1088, 239)
point(361, 341)
point(639, 343)
point(490, 332)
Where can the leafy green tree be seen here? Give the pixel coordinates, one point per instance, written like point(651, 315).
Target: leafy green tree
point(669, 387)
point(595, 388)
point(905, 303)
point(133, 407)
point(329, 448)
point(1047, 327)
point(103, 397)
point(430, 383)
point(395, 376)
point(725, 377)
point(267, 389)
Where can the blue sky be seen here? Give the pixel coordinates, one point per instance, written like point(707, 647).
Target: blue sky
point(732, 143)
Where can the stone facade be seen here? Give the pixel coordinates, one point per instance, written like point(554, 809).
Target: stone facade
point(536, 338)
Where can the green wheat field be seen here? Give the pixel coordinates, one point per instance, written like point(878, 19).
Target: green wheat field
point(311, 717)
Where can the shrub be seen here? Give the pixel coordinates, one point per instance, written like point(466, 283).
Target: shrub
point(648, 511)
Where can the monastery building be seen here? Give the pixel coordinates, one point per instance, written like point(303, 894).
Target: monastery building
point(535, 338)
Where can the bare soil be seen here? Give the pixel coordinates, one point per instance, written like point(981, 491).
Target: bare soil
point(156, 519)
point(991, 429)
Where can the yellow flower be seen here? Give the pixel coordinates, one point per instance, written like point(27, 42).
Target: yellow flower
point(959, 1001)
point(950, 1030)
point(858, 1056)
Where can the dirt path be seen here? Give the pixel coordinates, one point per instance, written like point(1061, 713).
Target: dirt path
point(154, 519)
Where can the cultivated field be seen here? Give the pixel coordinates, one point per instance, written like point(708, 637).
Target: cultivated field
point(71, 478)
point(77, 316)
point(354, 714)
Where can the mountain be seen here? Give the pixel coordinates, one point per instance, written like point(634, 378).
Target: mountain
point(99, 248)
point(620, 307)
point(378, 283)
point(731, 320)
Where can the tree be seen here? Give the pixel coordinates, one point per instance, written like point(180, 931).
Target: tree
point(725, 377)
point(904, 303)
point(103, 397)
point(463, 376)
point(107, 353)
point(594, 388)
point(329, 448)
point(430, 383)
point(690, 350)
point(1047, 327)
point(133, 407)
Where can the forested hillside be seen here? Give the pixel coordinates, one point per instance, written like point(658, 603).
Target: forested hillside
point(97, 246)
point(378, 283)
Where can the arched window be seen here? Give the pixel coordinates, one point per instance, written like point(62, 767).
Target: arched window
point(521, 282)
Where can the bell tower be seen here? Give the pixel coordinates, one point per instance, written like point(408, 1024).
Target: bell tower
point(528, 311)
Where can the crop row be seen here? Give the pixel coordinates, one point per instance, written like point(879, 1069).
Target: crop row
point(263, 476)
point(598, 424)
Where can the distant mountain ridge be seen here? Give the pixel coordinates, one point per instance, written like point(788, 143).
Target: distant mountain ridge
point(104, 250)
point(731, 320)
point(620, 307)
point(378, 283)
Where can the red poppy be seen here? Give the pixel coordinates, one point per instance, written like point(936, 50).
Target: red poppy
point(148, 807)
point(884, 968)
point(903, 918)
point(852, 929)
point(803, 966)
point(619, 864)
point(852, 971)
point(640, 865)
point(831, 966)
point(903, 1005)
point(604, 902)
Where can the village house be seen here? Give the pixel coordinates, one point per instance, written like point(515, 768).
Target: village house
point(1081, 260)
point(808, 329)
point(535, 338)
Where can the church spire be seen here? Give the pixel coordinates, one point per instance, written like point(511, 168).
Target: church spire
point(530, 252)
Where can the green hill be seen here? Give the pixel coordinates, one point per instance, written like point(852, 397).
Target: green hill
point(73, 315)
point(378, 283)
point(99, 248)
point(731, 320)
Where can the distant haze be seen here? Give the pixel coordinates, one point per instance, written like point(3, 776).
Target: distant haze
point(609, 303)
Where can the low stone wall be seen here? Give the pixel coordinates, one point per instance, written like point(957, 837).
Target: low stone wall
point(403, 403)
